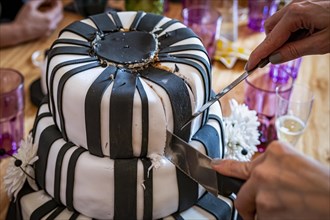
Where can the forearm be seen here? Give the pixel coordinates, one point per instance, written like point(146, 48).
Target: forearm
point(10, 34)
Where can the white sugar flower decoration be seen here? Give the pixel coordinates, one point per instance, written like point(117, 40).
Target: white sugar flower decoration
point(241, 132)
point(20, 168)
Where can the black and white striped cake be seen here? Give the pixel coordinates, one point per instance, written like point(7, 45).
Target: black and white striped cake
point(116, 82)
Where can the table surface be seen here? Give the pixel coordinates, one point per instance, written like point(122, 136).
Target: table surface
point(314, 70)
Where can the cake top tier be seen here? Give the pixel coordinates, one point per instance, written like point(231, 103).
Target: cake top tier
point(118, 81)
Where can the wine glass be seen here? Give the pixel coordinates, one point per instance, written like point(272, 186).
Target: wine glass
point(292, 112)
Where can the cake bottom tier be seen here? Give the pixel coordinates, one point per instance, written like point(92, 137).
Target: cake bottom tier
point(39, 205)
point(102, 188)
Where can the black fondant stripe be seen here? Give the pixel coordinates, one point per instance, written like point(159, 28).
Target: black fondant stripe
point(166, 25)
point(55, 213)
point(74, 216)
point(188, 191)
point(234, 213)
point(148, 22)
point(222, 133)
point(145, 118)
point(175, 36)
point(44, 100)
point(93, 110)
point(177, 216)
point(14, 211)
point(47, 138)
point(205, 77)
point(33, 130)
point(136, 20)
point(116, 19)
point(209, 137)
point(36, 122)
point(103, 23)
point(58, 171)
point(181, 105)
point(50, 86)
point(60, 89)
point(71, 176)
point(71, 41)
point(180, 48)
point(67, 50)
point(121, 115)
point(82, 29)
point(125, 174)
point(147, 206)
point(215, 117)
point(60, 51)
point(43, 210)
point(197, 58)
point(218, 208)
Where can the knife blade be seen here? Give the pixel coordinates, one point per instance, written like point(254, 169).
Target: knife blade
point(197, 166)
point(224, 91)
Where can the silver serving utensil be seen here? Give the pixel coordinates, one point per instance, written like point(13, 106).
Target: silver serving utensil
point(261, 64)
point(197, 166)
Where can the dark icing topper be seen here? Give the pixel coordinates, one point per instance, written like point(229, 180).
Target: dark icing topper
point(132, 48)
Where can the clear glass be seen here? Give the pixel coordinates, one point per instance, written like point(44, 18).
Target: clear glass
point(292, 112)
point(11, 110)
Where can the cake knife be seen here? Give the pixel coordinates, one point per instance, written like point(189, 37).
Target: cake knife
point(197, 166)
point(224, 91)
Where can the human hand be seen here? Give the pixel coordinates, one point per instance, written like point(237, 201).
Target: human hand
point(313, 16)
point(35, 22)
point(281, 183)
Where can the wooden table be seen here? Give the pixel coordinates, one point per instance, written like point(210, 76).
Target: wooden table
point(315, 71)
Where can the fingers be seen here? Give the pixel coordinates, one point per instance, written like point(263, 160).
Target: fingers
point(233, 168)
point(54, 15)
point(317, 43)
point(273, 20)
point(274, 40)
point(295, 16)
point(55, 12)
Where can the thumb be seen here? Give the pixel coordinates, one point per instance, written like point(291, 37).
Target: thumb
point(232, 168)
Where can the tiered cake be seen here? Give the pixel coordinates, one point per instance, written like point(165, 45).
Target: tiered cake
point(116, 82)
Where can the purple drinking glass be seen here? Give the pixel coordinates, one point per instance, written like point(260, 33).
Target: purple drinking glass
point(259, 11)
point(260, 95)
point(11, 110)
point(284, 70)
point(205, 22)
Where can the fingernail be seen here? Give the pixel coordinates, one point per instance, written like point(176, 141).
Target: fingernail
point(216, 161)
point(275, 58)
point(246, 67)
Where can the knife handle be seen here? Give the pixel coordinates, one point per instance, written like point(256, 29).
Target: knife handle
point(228, 185)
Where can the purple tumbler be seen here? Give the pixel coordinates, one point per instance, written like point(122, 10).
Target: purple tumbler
point(205, 22)
point(259, 11)
point(260, 95)
point(11, 110)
